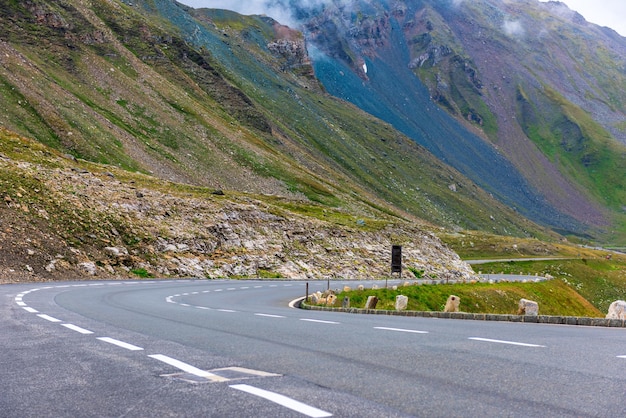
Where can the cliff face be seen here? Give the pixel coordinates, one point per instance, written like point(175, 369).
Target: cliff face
point(533, 79)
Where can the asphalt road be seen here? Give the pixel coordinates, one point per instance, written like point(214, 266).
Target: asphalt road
point(235, 349)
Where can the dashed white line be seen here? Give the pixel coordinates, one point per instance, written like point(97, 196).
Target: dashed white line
point(188, 368)
point(49, 318)
point(77, 329)
point(119, 343)
point(504, 342)
point(225, 310)
point(318, 320)
point(269, 315)
point(402, 330)
point(283, 401)
point(621, 356)
point(29, 309)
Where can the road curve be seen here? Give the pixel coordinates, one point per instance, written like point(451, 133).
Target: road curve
point(235, 348)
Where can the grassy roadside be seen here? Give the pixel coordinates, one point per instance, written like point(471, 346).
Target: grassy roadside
point(554, 297)
point(585, 282)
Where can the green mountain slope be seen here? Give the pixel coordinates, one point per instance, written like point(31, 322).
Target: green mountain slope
point(121, 85)
point(532, 78)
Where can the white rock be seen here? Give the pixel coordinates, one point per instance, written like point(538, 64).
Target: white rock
point(401, 302)
point(617, 310)
point(452, 304)
point(528, 307)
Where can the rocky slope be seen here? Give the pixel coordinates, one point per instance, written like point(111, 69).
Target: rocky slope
point(66, 219)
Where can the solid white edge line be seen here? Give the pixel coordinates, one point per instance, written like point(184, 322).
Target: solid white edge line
point(292, 304)
point(120, 343)
point(188, 368)
point(49, 318)
point(283, 401)
point(504, 342)
point(402, 330)
point(77, 329)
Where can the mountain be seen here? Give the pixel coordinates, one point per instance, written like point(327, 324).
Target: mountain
point(243, 103)
point(535, 91)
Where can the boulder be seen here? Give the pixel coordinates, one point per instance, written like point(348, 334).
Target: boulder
point(401, 302)
point(371, 302)
point(314, 299)
point(617, 310)
point(452, 304)
point(331, 299)
point(528, 307)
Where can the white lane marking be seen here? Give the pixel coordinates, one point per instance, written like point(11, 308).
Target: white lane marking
point(318, 320)
point(269, 316)
point(49, 318)
point(402, 330)
point(244, 287)
point(29, 309)
point(225, 310)
point(258, 287)
point(252, 372)
point(120, 343)
point(292, 304)
point(504, 342)
point(218, 290)
point(77, 329)
point(188, 368)
point(283, 401)
point(621, 356)
point(20, 303)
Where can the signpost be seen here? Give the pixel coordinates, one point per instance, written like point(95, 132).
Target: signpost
point(396, 260)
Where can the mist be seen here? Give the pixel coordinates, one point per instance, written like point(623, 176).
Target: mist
point(280, 10)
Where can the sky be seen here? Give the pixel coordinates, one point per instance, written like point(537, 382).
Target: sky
point(611, 13)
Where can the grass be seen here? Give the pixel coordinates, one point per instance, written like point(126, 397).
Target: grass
point(580, 287)
point(554, 298)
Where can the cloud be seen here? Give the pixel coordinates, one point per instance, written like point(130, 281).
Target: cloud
point(281, 10)
point(513, 28)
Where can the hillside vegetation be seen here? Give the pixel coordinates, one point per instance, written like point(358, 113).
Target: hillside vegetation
point(67, 218)
point(235, 106)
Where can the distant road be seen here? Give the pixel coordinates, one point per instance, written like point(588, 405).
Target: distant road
point(216, 348)
point(506, 260)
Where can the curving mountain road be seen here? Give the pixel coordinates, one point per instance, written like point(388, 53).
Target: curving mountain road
point(235, 348)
